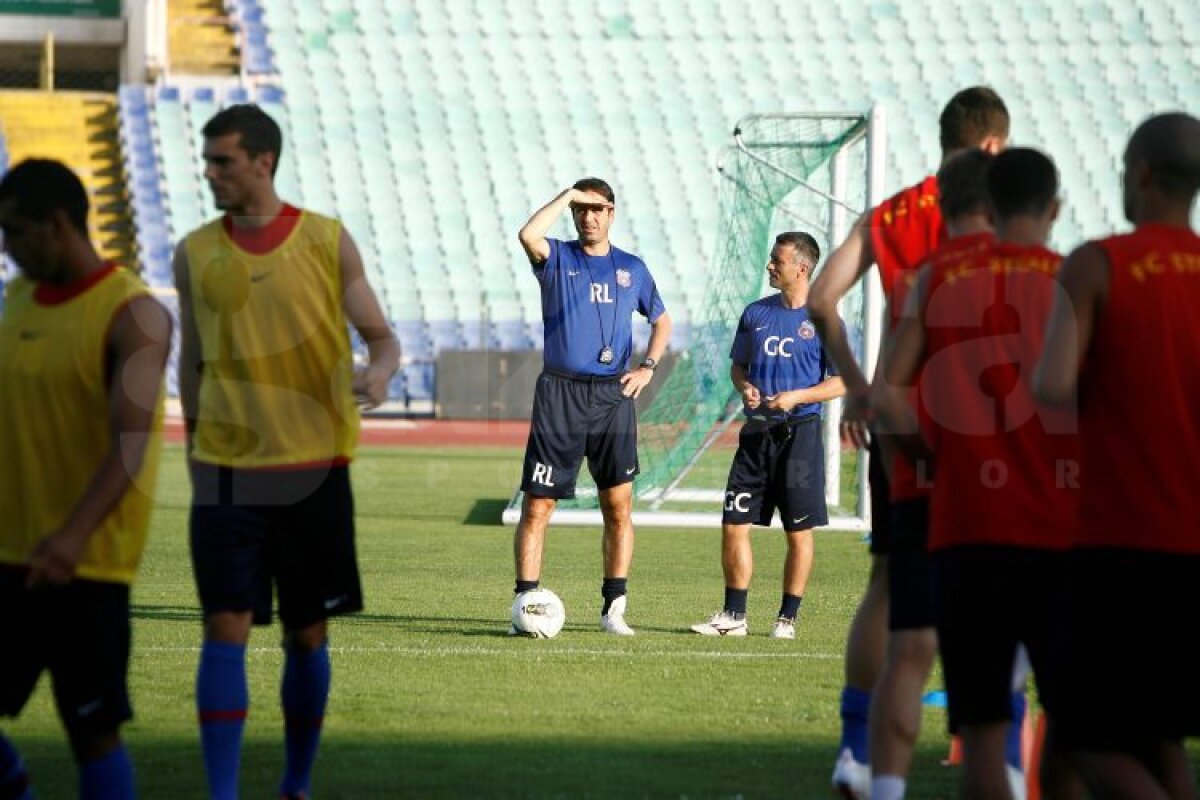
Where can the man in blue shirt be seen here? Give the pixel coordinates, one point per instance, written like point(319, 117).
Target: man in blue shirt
point(781, 371)
point(584, 400)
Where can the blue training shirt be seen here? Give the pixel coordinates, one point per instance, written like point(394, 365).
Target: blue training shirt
point(781, 351)
point(588, 303)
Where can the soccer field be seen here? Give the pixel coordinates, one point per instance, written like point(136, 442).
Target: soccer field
point(432, 699)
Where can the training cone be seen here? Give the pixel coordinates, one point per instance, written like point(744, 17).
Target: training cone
point(1033, 754)
point(955, 755)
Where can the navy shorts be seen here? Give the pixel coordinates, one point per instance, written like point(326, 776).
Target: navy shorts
point(880, 488)
point(990, 599)
point(575, 417)
point(910, 578)
point(1127, 648)
point(778, 466)
point(293, 531)
point(80, 633)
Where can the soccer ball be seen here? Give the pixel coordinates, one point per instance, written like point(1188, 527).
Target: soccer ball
point(538, 614)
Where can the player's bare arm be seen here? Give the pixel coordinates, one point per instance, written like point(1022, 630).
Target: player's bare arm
point(191, 360)
point(138, 345)
point(1083, 282)
point(637, 379)
point(741, 381)
point(828, 389)
point(845, 266)
point(898, 366)
point(533, 234)
point(362, 308)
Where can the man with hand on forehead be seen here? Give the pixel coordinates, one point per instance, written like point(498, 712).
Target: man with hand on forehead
point(584, 400)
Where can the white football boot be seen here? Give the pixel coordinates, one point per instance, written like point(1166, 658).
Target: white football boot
point(614, 621)
point(722, 623)
point(851, 779)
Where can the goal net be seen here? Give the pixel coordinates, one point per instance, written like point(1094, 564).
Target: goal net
point(814, 172)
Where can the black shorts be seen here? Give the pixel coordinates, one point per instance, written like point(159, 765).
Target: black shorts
point(80, 633)
point(877, 480)
point(575, 417)
point(910, 579)
point(1128, 636)
point(291, 529)
point(778, 466)
point(990, 599)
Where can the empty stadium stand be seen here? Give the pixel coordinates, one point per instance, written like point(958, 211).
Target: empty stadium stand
point(433, 128)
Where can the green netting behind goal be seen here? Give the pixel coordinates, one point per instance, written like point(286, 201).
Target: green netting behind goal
point(783, 172)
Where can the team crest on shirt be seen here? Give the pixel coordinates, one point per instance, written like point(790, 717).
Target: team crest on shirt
point(807, 331)
point(624, 279)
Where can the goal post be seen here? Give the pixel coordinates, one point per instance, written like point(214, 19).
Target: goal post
point(813, 171)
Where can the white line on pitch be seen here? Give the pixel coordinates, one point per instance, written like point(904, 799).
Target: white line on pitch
point(536, 649)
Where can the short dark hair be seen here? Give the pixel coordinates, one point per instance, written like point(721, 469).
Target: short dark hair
point(41, 186)
point(1021, 180)
point(598, 186)
point(1170, 145)
point(804, 244)
point(259, 132)
point(962, 183)
point(971, 116)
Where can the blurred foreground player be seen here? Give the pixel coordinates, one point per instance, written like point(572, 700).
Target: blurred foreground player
point(897, 236)
point(83, 349)
point(1124, 342)
point(270, 395)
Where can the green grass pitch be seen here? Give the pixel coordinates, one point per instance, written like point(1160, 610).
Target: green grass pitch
point(432, 700)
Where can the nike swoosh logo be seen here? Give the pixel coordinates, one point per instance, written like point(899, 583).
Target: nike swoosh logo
point(761, 328)
point(631, 470)
point(89, 708)
point(572, 274)
point(798, 521)
point(335, 602)
point(262, 276)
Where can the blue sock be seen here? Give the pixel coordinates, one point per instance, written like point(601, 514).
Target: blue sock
point(856, 708)
point(1012, 739)
point(109, 777)
point(14, 780)
point(222, 699)
point(306, 678)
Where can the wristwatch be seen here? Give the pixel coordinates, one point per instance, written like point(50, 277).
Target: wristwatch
point(649, 363)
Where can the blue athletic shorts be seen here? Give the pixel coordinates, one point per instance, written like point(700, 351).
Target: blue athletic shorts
point(293, 531)
point(573, 417)
point(79, 632)
point(1127, 637)
point(778, 466)
point(880, 489)
point(910, 578)
point(988, 600)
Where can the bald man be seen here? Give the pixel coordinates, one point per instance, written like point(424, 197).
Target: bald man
point(1124, 344)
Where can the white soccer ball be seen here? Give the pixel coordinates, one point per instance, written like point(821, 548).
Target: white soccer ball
point(538, 613)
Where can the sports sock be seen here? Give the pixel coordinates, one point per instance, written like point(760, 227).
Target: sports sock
point(526, 586)
point(222, 698)
point(856, 706)
point(109, 777)
point(14, 780)
point(1012, 738)
point(611, 589)
point(735, 602)
point(305, 690)
point(789, 607)
point(887, 787)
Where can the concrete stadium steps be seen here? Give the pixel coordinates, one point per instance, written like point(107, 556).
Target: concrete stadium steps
point(79, 129)
point(200, 40)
